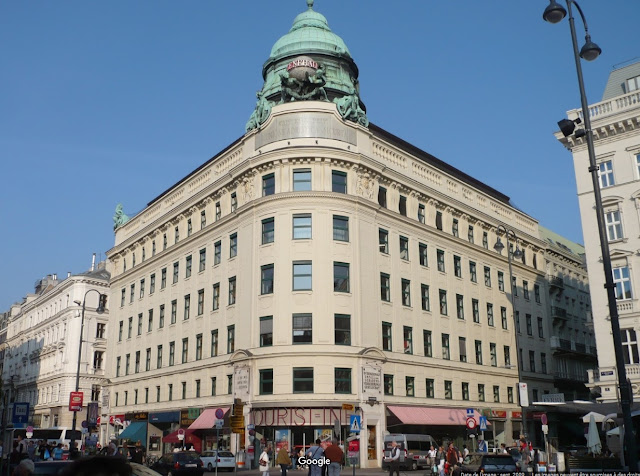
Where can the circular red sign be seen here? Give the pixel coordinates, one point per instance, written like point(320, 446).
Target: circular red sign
point(471, 423)
point(219, 413)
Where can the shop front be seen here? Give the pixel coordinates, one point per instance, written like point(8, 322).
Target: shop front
point(205, 428)
point(166, 422)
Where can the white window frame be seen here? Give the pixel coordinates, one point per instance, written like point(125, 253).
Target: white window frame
point(613, 223)
point(605, 174)
point(621, 275)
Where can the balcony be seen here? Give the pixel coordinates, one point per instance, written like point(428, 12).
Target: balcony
point(561, 346)
point(610, 107)
point(626, 306)
point(559, 315)
point(555, 282)
point(570, 376)
point(609, 374)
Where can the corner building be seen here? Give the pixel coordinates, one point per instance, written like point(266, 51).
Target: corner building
point(319, 261)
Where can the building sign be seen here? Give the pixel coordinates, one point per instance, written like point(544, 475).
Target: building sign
point(188, 416)
point(553, 398)
point(116, 420)
point(498, 413)
point(315, 125)
point(92, 414)
point(241, 383)
point(517, 415)
point(302, 62)
point(371, 380)
point(137, 416)
point(299, 416)
point(75, 401)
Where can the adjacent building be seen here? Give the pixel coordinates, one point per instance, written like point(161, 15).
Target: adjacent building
point(615, 122)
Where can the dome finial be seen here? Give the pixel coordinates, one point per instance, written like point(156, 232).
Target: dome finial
point(310, 4)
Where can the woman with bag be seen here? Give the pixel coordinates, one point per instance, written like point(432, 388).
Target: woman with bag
point(283, 458)
point(264, 460)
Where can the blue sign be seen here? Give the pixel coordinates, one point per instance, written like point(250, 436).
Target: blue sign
point(483, 423)
point(20, 414)
point(355, 424)
point(470, 412)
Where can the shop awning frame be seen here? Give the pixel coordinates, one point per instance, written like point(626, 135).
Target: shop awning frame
point(136, 430)
point(207, 419)
point(440, 416)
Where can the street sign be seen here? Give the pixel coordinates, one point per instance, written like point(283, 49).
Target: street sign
point(219, 424)
point(470, 412)
point(251, 426)
point(483, 423)
point(181, 434)
point(355, 424)
point(523, 391)
point(471, 423)
point(75, 401)
point(20, 413)
point(348, 407)
point(545, 429)
point(219, 413)
point(29, 432)
point(543, 419)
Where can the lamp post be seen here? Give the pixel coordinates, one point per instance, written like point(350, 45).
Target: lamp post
point(590, 51)
point(102, 303)
point(499, 246)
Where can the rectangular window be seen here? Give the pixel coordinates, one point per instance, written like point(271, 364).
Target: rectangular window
point(404, 248)
point(622, 281)
point(606, 174)
point(340, 277)
point(439, 220)
point(470, 235)
point(217, 252)
point(203, 260)
point(233, 245)
point(446, 351)
point(340, 228)
point(188, 262)
point(185, 350)
point(189, 229)
point(388, 384)
point(478, 347)
point(216, 296)
point(424, 295)
point(268, 230)
point(532, 361)
point(525, 290)
point(176, 272)
point(487, 276)
point(302, 271)
point(232, 290)
point(407, 334)
point(100, 330)
point(200, 302)
point(342, 379)
point(176, 234)
point(268, 184)
point(431, 388)
point(199, 347)
point(342, 326)
point(266, 381)
point(122, 297)
point(386, 337)
point(132, 293)
point(472, 272)
point(629, 346)
point(540, 328)
point(536, 293)
point(465, 390)
point(163, 278)
point(454, 228)
point(460, 306)
point(410, 386)
point(159, 358)
point(382, 197)
point(448, 389)
point(234, 202)
point(457, 266)
point(402, 205)
point(187, 306)
point(170, 392)
point(529, 325)
point(214, 343)
point(150, 321)
point(462, 345)
point(266, 331)
point(440, 260)
point(231, 339)
point(443, 302)
point(510, 394)
point(493, 354)
point(421, 213)
point(614, 225)
point(302, 227)
point(422, 254)
point(302, 380)
point(152, 284)
point(517, 321)
point(503, 317)
point(301, 180)
point(118, 360)
point(302, 329)
point(203, 219)
point(164, 242)
point(485, 240)
point(514, 286)
point(266, 279)
point(427, 343)
point(198, 388)
point(141, 288)
point(481, 392)
point(490, 315)
point(385, 287)
point(500, 281)
point(406, 292)
point(213, 386)
point(130, 329)
point(543, 362)
point(137, 363)
point(383, 241)
point(172, 353)
point(496, 393)
point(338, 181)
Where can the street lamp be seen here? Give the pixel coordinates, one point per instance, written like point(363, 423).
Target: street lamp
point(499, 246)
point(102, 304)
point(590, 51)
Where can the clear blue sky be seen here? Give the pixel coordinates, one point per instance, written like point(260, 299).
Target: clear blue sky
point(115, 101)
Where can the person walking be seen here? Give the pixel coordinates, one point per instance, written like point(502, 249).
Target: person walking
point(335, 456)
point(394, 459)
point(440, 458)
point(264, 460)
point(283, 458)
point(315, 453)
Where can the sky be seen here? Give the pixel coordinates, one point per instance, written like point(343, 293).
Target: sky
point(114, 102)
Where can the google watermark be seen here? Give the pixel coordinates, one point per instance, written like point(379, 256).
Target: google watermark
point(322, 461)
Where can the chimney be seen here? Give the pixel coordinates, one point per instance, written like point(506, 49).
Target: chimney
point(55, 276)
point(93, 262)
point(68, 274)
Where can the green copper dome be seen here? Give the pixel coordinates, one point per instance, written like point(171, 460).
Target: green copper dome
point(310, 32)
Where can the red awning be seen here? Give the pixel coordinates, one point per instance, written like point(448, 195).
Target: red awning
point(190, 438)
point(432, 415)
point(207, 419)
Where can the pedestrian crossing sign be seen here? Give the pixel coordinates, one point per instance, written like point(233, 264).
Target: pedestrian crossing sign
point(355, 424)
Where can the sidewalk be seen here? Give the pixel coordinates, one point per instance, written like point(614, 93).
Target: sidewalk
point(348, 471)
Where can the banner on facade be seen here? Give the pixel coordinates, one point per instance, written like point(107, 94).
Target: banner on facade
point(241, 383)
point(92, 414)
point(371, 381)
point(75, 401)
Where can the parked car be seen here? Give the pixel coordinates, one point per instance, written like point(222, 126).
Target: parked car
point(142, 470)
point(50, 468)
point(489, 463)
point(182, 463)
point(221, 459)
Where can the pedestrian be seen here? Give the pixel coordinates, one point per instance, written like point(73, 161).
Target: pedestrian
point(394, 459)
point(503, 448)
point(294, 456)
point(283, 458)
point(315, 453)
point(335, 456)
point(138, 453)
point(301, 458)
point(440, 458)
point(452, 458)
point(465, 451)
point(264, 461)
point(57, 452)
point(431, 459)
point(126, 453)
